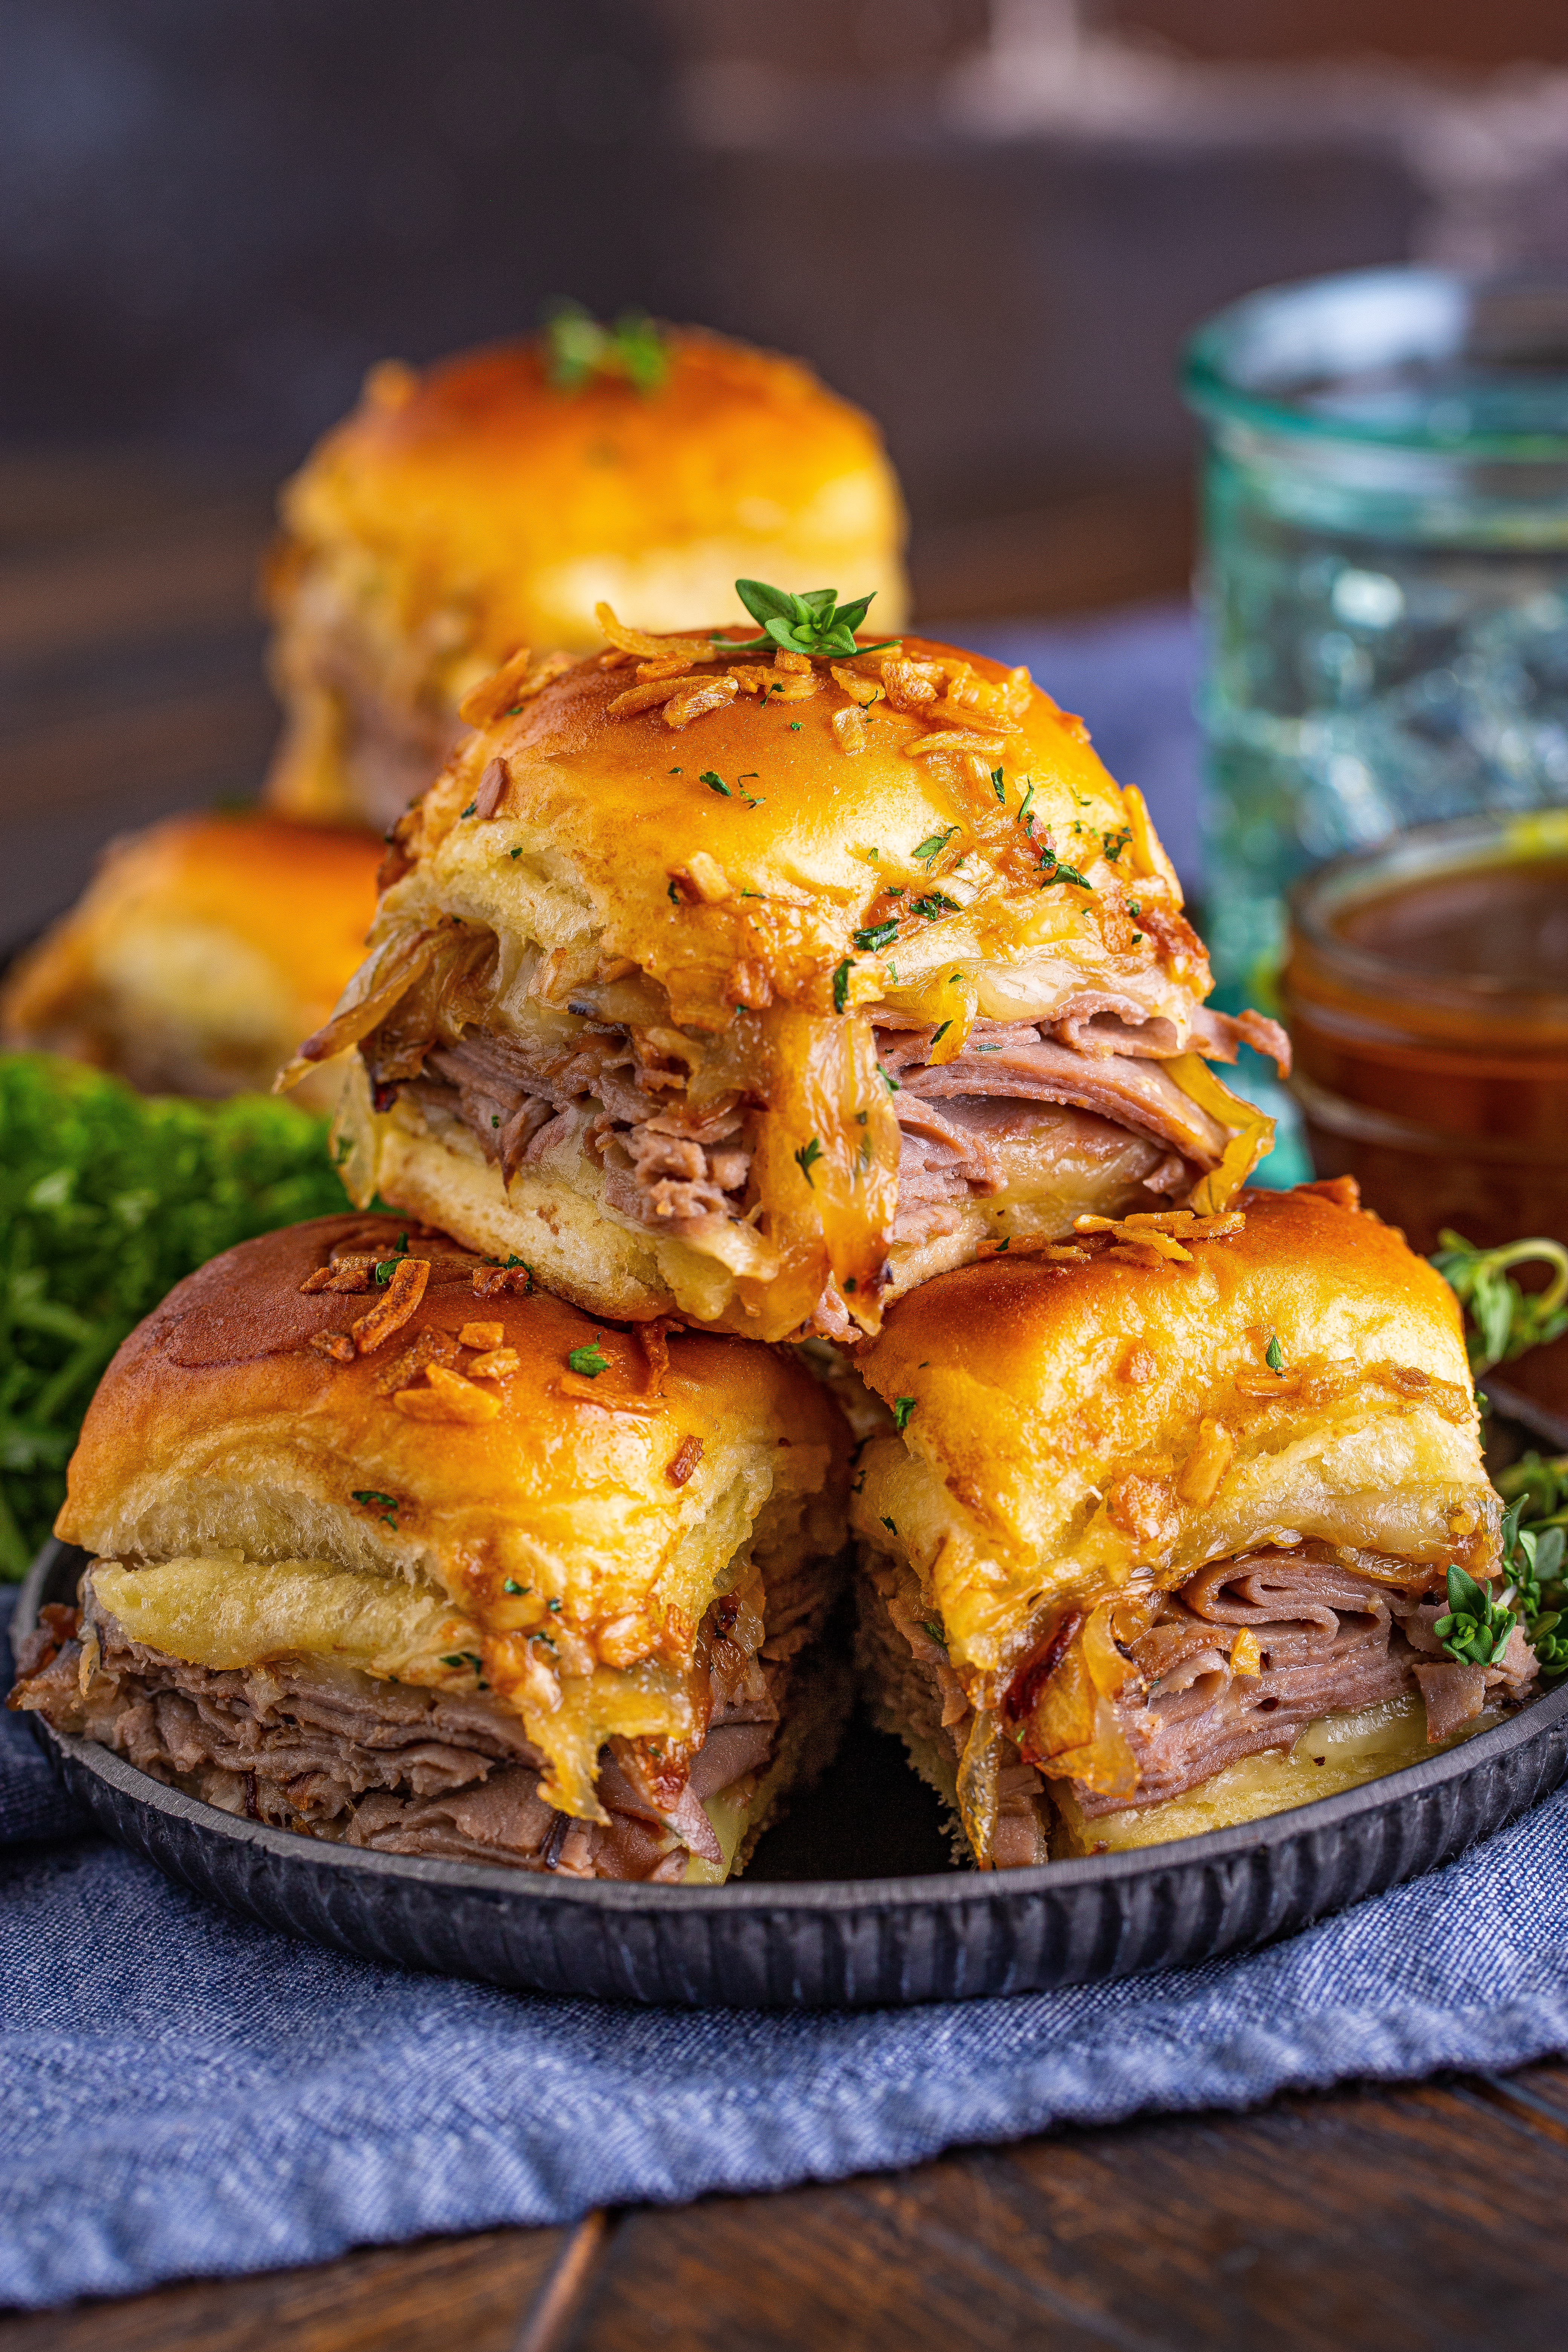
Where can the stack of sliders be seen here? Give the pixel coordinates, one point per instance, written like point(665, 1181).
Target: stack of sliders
point(391, 1548)
point(493, 500)
point(800, 986)
point(197, 954)
point(754, 979)
point(1160, 1540)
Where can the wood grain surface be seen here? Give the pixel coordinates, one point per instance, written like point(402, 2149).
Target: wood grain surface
point(1416, 2219)
point(1427, 2218)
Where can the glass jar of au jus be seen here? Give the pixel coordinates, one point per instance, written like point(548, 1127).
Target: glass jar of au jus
point(1384, 582)
point(1427, 990)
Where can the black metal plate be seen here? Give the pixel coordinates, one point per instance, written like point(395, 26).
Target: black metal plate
point(777, 1940)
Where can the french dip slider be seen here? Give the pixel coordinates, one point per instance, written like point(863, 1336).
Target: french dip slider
point(723, 978)
point(493, 500)
point(392, 1549)
point(195, 954)
point(1161, 1540)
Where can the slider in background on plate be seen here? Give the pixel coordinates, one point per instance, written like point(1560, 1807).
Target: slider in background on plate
point(1162, 1541)
point(758, 979)
point(191, 961)
point(395, 1550)
point(491, 501)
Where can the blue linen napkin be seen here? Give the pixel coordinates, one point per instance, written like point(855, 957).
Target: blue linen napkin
point(183, 2092)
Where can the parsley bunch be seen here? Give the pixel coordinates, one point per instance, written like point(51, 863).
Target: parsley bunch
point(1505, 1320)
point(576, 347)
point(106, 1200)
point(813, 623)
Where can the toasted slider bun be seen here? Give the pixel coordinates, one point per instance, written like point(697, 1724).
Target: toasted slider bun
point(479, 505)
point(709, 994)
point(1114, 1545)
point(587, 1556)
point(197, 950)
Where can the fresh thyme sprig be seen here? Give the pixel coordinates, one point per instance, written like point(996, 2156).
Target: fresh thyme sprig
point(1505, 1321)
point(577, 347)
point(1476, 1629)
point(812, 622)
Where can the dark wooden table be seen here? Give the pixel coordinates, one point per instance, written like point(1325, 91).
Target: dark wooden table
point(1423, 2218)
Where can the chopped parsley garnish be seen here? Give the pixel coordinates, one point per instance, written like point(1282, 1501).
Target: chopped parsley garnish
point(902, 1408)
point(1272, 1356)
point(1060, 873)
point(998, 787)
point(464, 1658)
point(515, 853)
point(934, 844)
point(934, 905)
point(673, 895)
point(472, 810)
point(590, 1360)
point(1024, 806)
point(933, 1626)
point(875, 936)
point(554, 1602)
point(938, 1033)
point(1115, 842)
point(510, 1584)
point(841, 984)
point(814, 623)
point(889, 1082)
point(806, 1160)
point(890, 1527)
point(678, 771)
point(384, 1506)
point(714, 783)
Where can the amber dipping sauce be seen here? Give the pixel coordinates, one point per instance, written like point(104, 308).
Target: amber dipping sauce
point(1426, 994)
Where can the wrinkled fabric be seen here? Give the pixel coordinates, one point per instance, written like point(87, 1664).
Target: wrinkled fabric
point(183, 2092)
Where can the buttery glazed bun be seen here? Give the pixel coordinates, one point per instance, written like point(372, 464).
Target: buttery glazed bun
point(479, 507)
point(197, 952)
point(1083, 1432)
point(477, 1496)
point(758, 991)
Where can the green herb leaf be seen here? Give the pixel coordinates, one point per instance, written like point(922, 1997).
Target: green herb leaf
point(934, 844)
point(1271, 1355)
point(590, 1360)
point(1505, 1320)
point(1062, 873)
point(510, 1584)
point(902, 1408)
point(934, 905)
point(715, 783)
point(998, 787)
point(875, 936)
point(938, 1033)
point(813, 623)
point(806, 1159)
point(1476, 1629)
point(576, 348)
point(841, 984)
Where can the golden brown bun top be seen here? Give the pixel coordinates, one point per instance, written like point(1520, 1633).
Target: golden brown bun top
point(221, 1387)
point(735, 857)
point(302, 894)
point(479, 472)
point(1088, 1420)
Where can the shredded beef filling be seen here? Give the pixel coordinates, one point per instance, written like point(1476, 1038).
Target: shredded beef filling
point(1331, 1638)
point(325, 1750)
point(915, 1690)
point(1087, 1083)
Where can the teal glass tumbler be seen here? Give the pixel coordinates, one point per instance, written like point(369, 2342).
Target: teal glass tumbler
point(1384, 577)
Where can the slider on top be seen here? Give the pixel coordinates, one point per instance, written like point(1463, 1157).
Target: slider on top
point(756, 978)
point(393, 1550)
point(1161, 1538)
point(196, 952)
point(494, 499)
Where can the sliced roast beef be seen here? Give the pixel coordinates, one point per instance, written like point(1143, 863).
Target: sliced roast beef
point(314, 1747)
point(1332, 1635)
